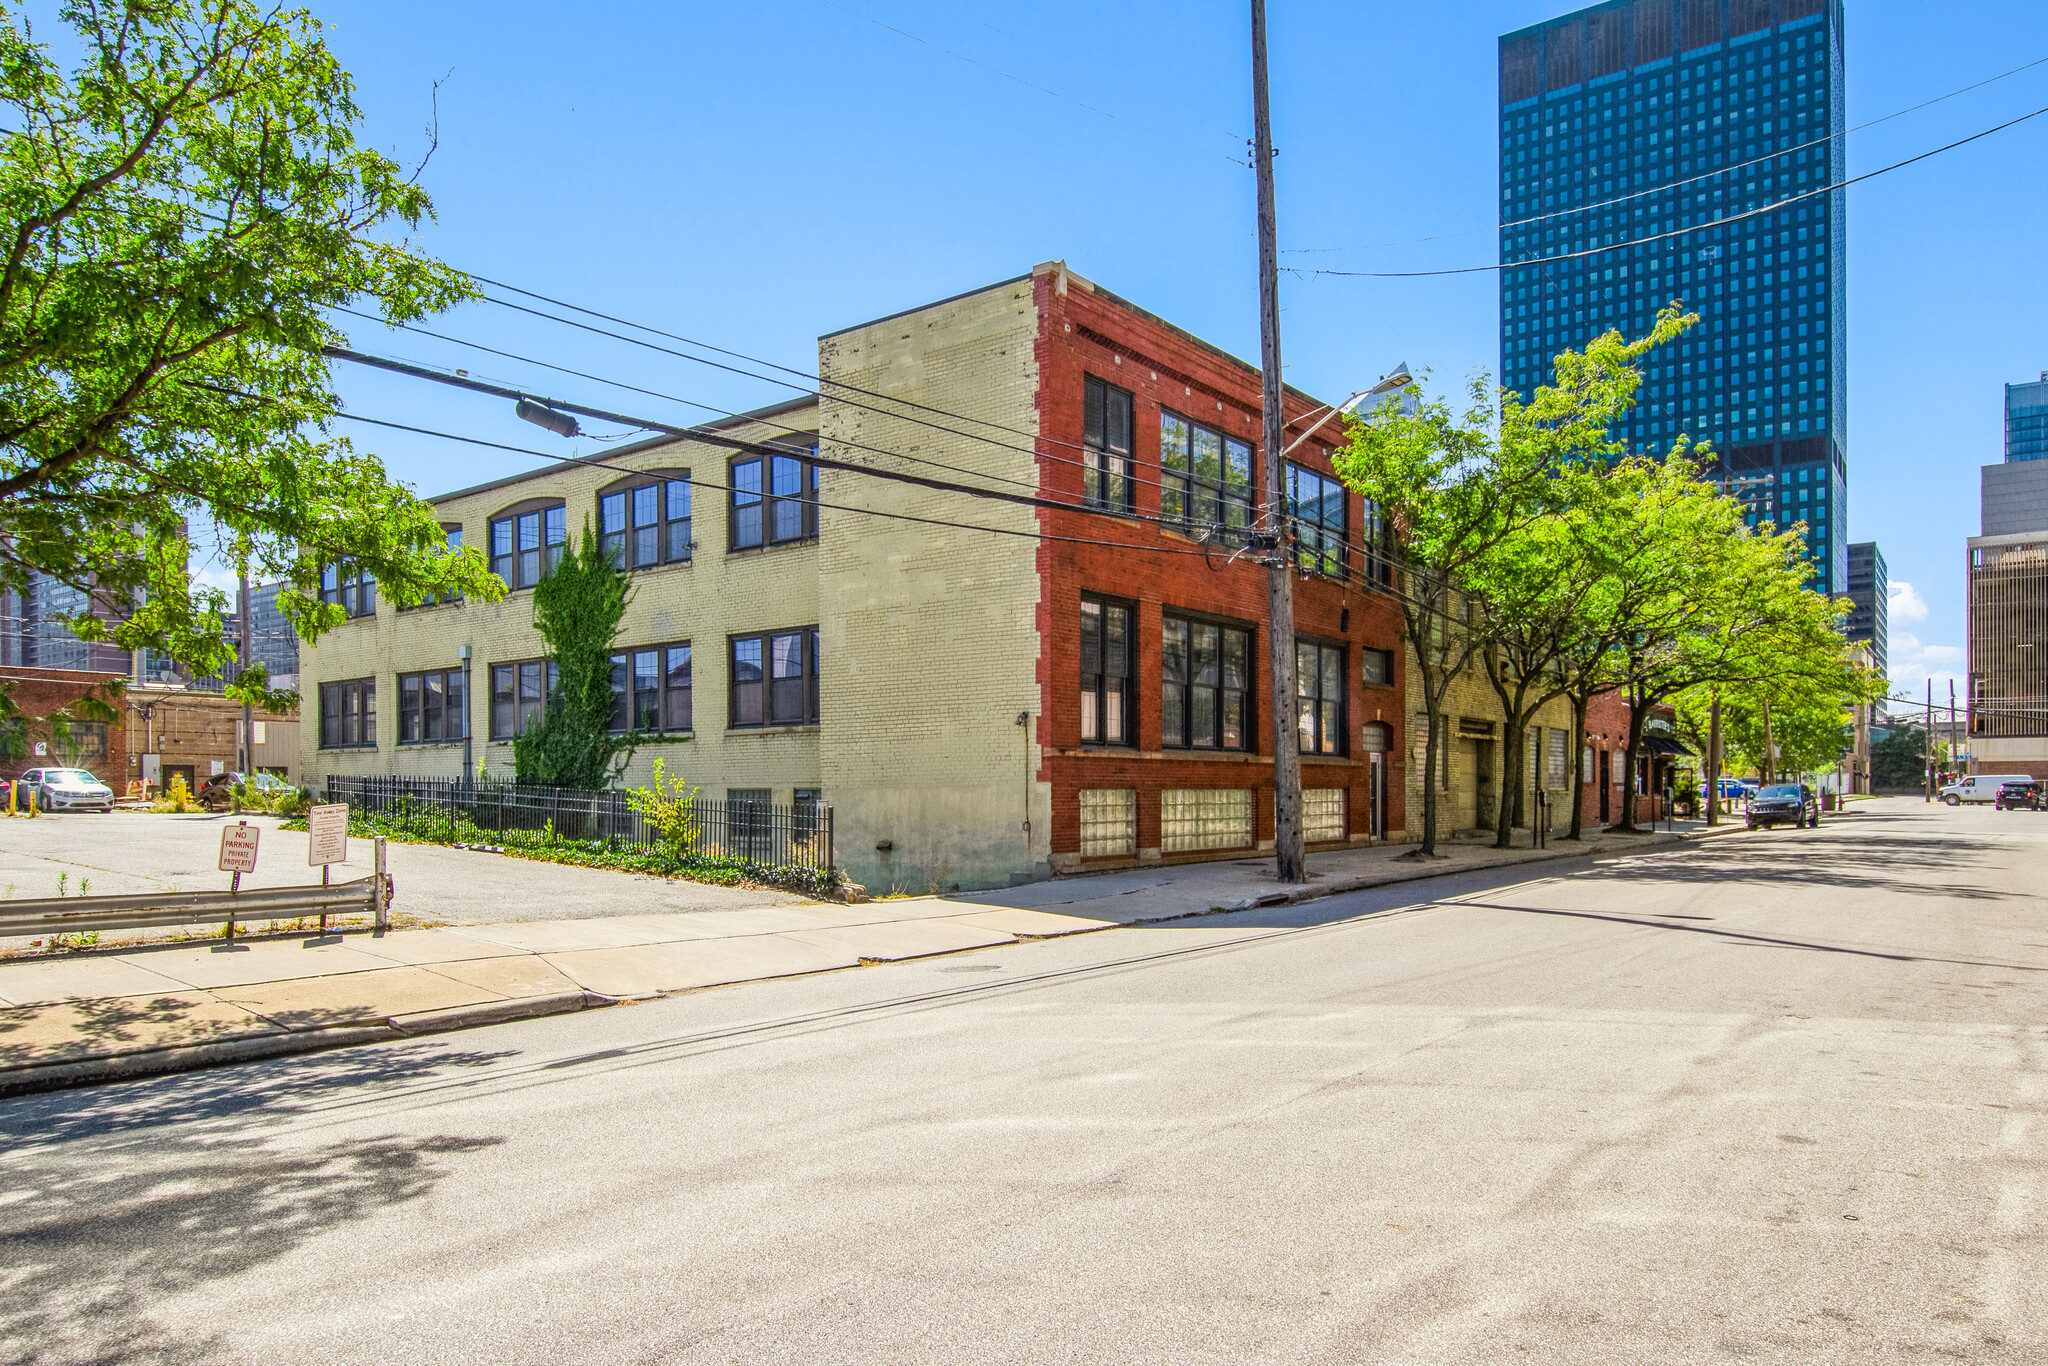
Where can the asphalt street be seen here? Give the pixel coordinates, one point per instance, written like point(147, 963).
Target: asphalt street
point(1777, 1097)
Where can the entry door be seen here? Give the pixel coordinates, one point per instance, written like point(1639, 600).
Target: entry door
point(1376, 799)
point(1606, 787)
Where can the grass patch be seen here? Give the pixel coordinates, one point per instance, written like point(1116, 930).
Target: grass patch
point(411, 822)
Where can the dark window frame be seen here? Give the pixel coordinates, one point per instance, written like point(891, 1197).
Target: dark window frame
point(1182, 698)
point(509, 551)
point(670, 533)
point(633, 703)
point(422, 724)
point(770, 702)
point(755, 503)
point(451, 533)
point(1317, 547)
point(1108, 478)
point(1187, 496)
point(1096, 685)
point(348, 706)
point(1366, 652)
point(524, 710)
point(1324, 721)
point(350, 588)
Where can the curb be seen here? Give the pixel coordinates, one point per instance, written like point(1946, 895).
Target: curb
point(1341, 886)
point(60, 1076)
point(157, 1062)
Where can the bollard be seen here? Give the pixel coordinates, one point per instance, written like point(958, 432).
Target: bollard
point(377, 886)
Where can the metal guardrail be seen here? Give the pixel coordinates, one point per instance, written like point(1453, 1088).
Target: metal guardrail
point(150, 910)
point(759, 832)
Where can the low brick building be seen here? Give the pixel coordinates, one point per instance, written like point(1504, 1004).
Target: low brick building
point(98, 746)
point(195, 734)
point(1065, 669)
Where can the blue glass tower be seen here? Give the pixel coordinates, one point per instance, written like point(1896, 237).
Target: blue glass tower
point(1625, 130)
point(2026, 420)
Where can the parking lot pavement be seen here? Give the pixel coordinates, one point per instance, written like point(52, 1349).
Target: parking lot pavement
point(156, 851)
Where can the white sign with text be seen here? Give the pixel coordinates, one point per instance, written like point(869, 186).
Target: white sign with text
point(238, 848)
point(327, 834)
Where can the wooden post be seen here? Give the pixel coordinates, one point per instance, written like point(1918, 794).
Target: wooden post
point(1289, 855)
point(377, 901)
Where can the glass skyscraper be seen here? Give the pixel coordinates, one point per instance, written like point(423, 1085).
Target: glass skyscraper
point(2026, 420)
point(1627, 127)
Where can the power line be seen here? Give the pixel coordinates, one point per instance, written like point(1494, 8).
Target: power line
point(1681, 184)
point(1133, 477)
point(1369, 554)
point(676, 398)
point(1675, 232)
point(728, 488)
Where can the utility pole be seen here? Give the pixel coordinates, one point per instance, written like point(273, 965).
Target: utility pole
point(1770, 749)
point(1930, 740)
point(1291, 862)
point(1714, 760)
point(1952, 724)
point(247, 759)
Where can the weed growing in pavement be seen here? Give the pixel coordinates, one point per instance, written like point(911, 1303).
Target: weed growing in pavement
point(62, 880)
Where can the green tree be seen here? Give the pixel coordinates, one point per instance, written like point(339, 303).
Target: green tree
point(1900, 759)
point(180, 210)
point(1455, 487)
point(577, 609)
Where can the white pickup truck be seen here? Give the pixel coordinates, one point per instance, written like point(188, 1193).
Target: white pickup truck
point(1978, 787)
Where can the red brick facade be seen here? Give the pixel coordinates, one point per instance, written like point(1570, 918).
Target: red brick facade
point(99, 747)
point(1084, 332)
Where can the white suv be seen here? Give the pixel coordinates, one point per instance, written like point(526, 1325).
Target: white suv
point(1978, 787)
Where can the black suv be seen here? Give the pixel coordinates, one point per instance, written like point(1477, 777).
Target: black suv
point(1791, 804)
point(2015, 793)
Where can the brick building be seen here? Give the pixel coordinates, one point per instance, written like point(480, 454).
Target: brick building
point(98, 746)
point(986, 691)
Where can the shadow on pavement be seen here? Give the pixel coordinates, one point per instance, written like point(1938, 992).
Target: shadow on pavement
point(117, 1201)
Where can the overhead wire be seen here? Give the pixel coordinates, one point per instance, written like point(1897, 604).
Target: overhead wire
point(1747, 214)
point(1679, 184)
point(1369, 553)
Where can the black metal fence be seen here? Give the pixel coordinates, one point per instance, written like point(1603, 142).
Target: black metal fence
point(777, 836)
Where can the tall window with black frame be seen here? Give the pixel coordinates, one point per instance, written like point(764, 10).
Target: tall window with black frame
point(1106, 435)
point(1106, 642)
point(1319, 682)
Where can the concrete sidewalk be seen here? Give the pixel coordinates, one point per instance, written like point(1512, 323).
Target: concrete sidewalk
point(80, 1017)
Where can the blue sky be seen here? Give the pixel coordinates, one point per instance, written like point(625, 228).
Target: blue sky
point(755, 175)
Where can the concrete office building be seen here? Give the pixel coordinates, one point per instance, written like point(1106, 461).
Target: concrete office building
point(1627, 127)
point(2008, 620)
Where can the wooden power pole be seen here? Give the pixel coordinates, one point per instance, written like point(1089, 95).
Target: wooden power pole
point(1289, 856)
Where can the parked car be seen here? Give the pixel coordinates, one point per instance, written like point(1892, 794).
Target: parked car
point(67, 789)
point(1978, 787)
point(1736, 789)
point(2015, 793)
point(1784, 803)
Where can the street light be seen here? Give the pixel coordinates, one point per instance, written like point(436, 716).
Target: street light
point(1399, 379)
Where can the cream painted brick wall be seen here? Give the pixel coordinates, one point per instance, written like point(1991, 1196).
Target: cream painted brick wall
point(1471, 695)
point(702, 602)
point(930, 633)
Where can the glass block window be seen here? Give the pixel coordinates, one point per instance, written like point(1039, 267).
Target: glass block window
point(1556, 755)
point(1322, 814)
point(1109, 822)
point(1192, 819)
